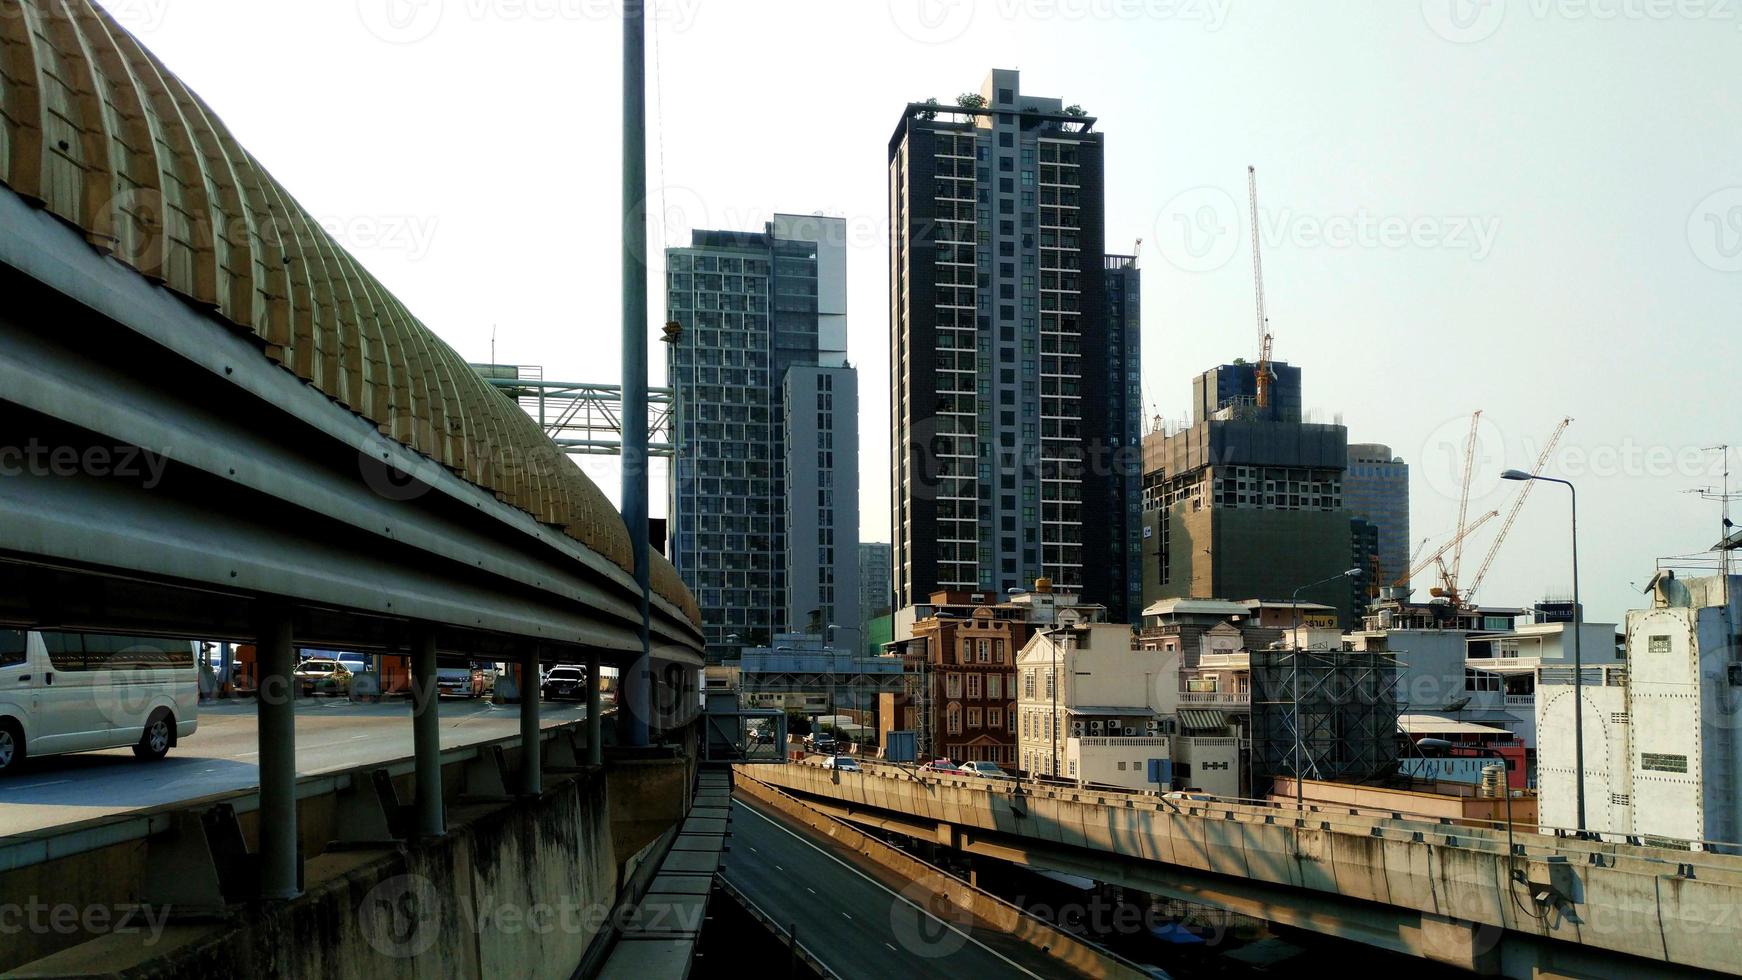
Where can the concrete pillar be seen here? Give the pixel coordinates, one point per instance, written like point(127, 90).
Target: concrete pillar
point(531, 749)
point(595, 713)
point(275, 701)
point(426, 740)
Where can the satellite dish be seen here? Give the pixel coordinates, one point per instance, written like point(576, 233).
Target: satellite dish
point(1458, 705)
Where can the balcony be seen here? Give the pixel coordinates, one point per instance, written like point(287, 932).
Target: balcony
point(1121, 742)
point(1217, 698)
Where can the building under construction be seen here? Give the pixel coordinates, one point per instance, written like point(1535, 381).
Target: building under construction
point(1247, 502)
point(1342, 726)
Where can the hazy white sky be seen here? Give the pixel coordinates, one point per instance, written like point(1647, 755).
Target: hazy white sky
point(1530, 207)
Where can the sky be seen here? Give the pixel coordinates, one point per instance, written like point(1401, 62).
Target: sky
point(1531, 208)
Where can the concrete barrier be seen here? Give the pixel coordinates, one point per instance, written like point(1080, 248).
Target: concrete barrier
point(1001, 915)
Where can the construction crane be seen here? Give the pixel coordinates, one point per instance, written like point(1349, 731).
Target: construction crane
point(1440, 552)
point(1517, 505)
point(1464, 501)
point(1265, 340)
point(1137, 253)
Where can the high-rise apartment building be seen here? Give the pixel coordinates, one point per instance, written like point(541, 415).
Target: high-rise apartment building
point(1376, 489)
point(875, 584)
point(764, 505)
point(1013, 411)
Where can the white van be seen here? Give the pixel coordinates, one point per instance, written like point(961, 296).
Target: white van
point(73, 692)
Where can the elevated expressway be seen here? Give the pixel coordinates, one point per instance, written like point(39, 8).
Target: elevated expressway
point(1551, 906)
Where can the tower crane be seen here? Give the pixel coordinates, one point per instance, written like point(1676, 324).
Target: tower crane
point(1440, 553)
point(1517, 505)
point(1265, 338)
point(1451, 579)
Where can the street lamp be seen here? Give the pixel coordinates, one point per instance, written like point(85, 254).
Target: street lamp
point(1578, 659)
point(1294, 610)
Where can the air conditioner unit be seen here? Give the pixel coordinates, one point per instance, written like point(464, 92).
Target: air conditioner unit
point(1077, 729)
point(1096, 727)
point(1129, 730)
point(1152, 726)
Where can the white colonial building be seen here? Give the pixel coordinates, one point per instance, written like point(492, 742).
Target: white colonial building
point(1091, 708)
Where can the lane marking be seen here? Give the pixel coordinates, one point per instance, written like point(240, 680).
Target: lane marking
point(51, 782)
point(898, 896)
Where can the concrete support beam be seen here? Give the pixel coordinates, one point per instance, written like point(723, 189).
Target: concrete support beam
point(428, 820)
point(531, 749)
point(595, 713)
point(275, 701)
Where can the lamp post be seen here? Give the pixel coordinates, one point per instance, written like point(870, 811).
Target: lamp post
point(1295, 617)
point(1578, 659)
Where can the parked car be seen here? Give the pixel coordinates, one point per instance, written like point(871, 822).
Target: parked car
point(844, 763)
point(466, 682)
point(564, 684)
point(820, 743)
point(72, 692)
point(988, 770)
point(319, 675)
point(941, 765)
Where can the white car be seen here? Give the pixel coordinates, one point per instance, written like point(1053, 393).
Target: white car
point(844, 763)
point(986, 770)
point(75, 692)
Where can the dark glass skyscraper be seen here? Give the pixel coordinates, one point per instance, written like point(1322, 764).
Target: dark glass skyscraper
point(1013, 409)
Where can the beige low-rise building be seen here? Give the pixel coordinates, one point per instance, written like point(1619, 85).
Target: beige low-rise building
point(1093, 709)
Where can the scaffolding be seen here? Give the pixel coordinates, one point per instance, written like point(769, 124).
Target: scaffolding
point(1342, 727)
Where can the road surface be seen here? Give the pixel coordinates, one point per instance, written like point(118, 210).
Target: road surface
point(222, 756)
point(862, 926)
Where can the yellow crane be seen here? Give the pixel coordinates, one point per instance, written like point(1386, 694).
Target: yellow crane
point(1518, 499)
point(1265, 339)
point(1440, 552)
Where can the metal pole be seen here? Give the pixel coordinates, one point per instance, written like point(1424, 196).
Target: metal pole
point(426, 736)
point(275, 702)
point(595, 712)
point(635, 686)
point(1294, 616)
point(1578, 667)
point(531, 749)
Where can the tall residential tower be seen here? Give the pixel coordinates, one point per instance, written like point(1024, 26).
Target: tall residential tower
point(1014, 391)
point(765, 493)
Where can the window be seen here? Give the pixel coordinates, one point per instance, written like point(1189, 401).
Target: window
point(12, 647)
point(1010, 721)
point(973, 717)
point(953, 719)
point(1028, 684)
point(953, 685)
point(1660, 762)
point(998, 645)
point(994, 717)
point(985, 652)
point(1051, 676)
point(994, 687)
point(974, 686)
point(80, 651)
